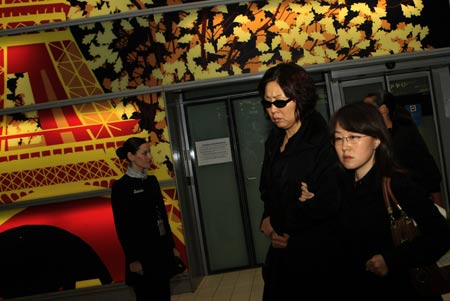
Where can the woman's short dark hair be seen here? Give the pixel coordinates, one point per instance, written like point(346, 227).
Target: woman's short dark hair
point(365, 118)
point(295, 83)
point(131, 145)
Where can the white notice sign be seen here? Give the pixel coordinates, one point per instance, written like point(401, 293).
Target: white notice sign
point(213, 151)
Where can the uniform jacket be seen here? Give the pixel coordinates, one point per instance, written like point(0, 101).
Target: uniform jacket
point(366, 232)
point(136, 204)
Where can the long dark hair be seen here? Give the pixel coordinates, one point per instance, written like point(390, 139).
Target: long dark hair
point(295, 83)
point(365, 118)
point(130, 145)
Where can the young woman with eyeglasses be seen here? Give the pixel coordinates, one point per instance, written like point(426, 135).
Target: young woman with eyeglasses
point(377, 270)
point(303, 259)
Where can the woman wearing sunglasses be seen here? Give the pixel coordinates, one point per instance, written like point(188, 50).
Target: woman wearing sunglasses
point(303, 258)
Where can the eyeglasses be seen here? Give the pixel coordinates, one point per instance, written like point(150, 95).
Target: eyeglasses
point(278, 103)
point(352, 139)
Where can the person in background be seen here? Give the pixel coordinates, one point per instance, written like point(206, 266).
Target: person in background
point(376, 268)
point(303, 259)
point(410, 150)
point(142, 225)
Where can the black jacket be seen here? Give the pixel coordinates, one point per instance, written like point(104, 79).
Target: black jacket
point(411, 152)
point(366, 232)
point(311, 255)
point(136, 204)
point(308, 157)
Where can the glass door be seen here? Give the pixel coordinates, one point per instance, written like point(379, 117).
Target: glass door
point(414, 92)
point(227, 139)
point(252, 128)
point(356, 90)
point(219, 203)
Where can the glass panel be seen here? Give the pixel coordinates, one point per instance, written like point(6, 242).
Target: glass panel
point(357, 92)
point(322, 104)
point(217, 191)
point(252, 127)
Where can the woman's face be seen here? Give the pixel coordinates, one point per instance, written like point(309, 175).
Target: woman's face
point(283, 118)
point(141, 160)
point(356, 151)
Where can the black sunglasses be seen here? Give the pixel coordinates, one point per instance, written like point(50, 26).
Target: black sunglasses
point(278, 103)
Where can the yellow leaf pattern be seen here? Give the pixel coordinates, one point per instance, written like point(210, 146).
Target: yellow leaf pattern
point(250, 37)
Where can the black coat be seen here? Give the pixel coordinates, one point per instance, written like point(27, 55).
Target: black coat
point(411, 152)
point(366, 232)
point(310, 259)
point(136, 204)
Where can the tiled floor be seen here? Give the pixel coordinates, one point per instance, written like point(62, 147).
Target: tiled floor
point(244, 285)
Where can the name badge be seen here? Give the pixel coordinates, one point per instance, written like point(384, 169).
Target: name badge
point(161, 228)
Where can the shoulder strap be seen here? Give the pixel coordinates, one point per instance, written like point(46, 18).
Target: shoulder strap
point(386, 187)
point(391, 194)
point(389, 197)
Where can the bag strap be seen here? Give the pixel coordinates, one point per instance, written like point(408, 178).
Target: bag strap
point(386, 186)
point(389, 196)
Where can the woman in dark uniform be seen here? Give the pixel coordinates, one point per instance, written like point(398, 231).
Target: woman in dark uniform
point(142, 225)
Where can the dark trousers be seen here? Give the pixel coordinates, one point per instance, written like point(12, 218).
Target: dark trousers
point(285, 279)
point(152, 290)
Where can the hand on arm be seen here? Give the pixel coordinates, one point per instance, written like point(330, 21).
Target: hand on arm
point(306, 194)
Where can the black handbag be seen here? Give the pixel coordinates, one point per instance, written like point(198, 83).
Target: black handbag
point(428, 280)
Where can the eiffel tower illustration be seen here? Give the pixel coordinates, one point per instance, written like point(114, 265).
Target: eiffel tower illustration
point(67, 145)
point(61, 150)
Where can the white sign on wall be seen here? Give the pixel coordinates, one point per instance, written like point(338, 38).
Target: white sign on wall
point(213, 151)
